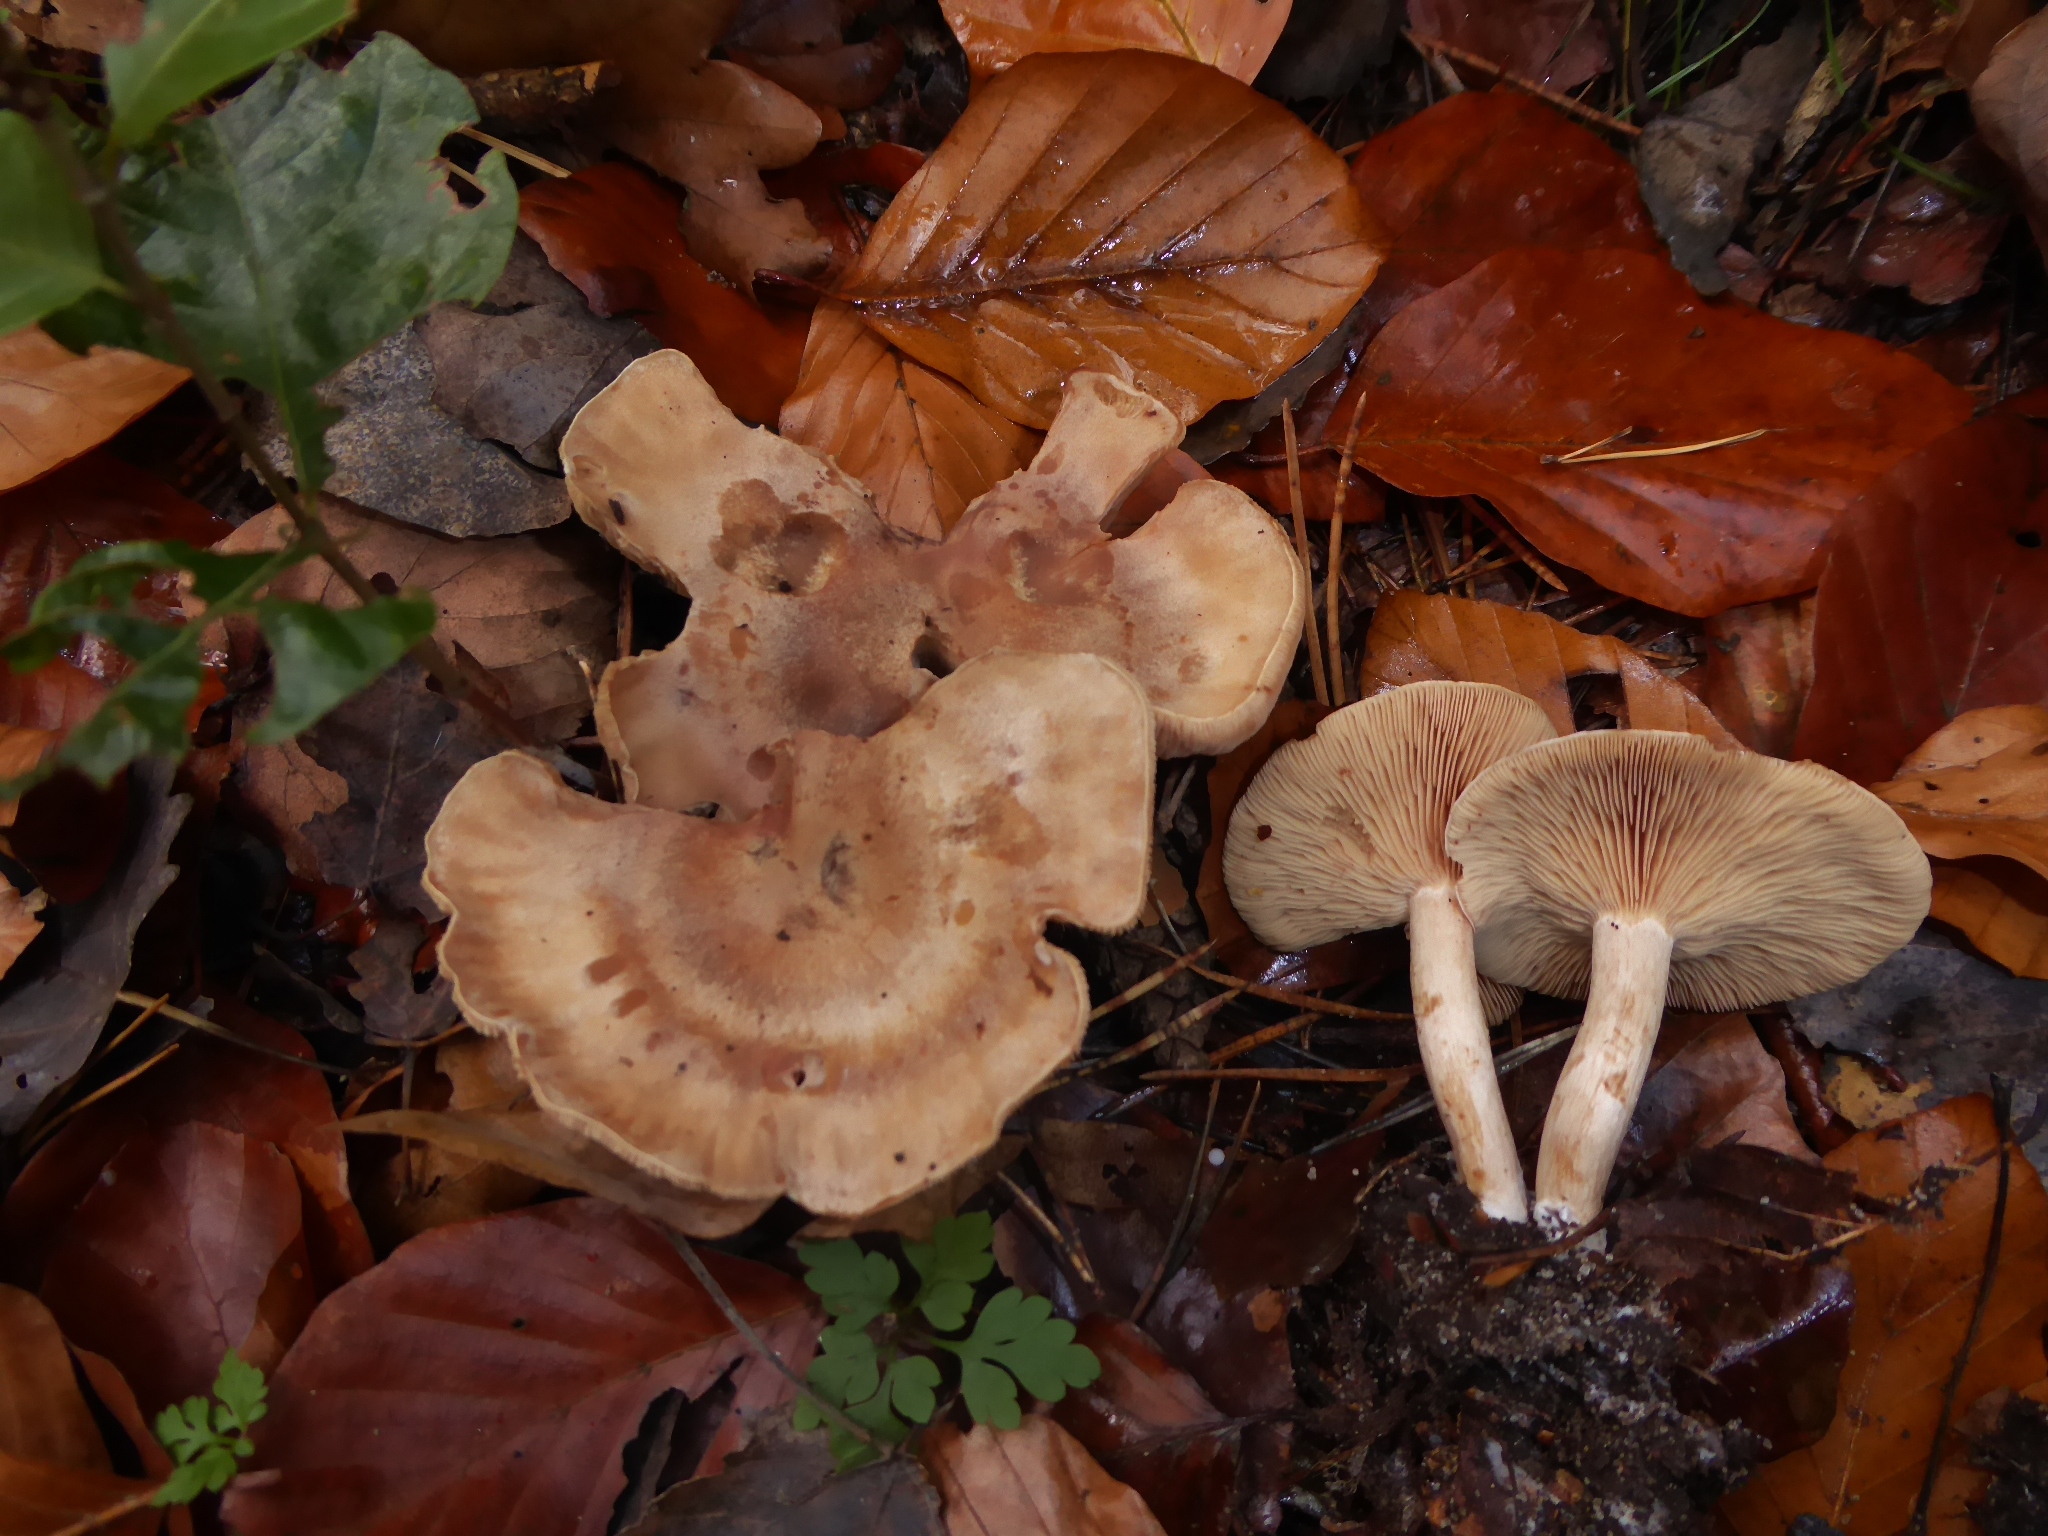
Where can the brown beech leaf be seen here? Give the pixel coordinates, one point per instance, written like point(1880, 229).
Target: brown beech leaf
point(2007, 101)
point(1416, 637)
point(216, 1083)
point(55, 405)
point(1916, 1285)
point(1759, 670)
point(1979, 786)
point(612, 231)
point(1538, 353)
point(1555, 43)
point(1235, 36)
point(19, 923)
point(922, 445)
point(801, 45)
point(1034, 1480)
point(1131, 212)
point(188, 1245)
point(2001, 907)
point(1479, 173)
point(1935, 598)
point(533, 1341)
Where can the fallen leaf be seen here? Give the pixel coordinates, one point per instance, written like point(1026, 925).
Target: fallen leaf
point(188, 1245)
point(1721, 1086)
point(1538, 353)
point(1234, 36)
point(49, 1021)
point(212, 1082)
point(1759, 669)
point(1554, 43)
point(843, 191)
point(786, 1484)
point(1416, 637)
point(532, 1340)
point(1150, 1426)
point(54, 1467)
point(55, 405)
point(801, 46)
point(1926, 236)
point(1482, 172)
point(393, 1007)
point(1956, 36)
point(1935, 598)
point(1917, 1282)
point(922, 445)
point(1034, 1480)
point(1978, 787)
point(2000, 907)
point(2006, 102)
point(88, 25)
point(19, 924)
point(1132, 212)
point(1863, 1099)
point(612, 231)
point(1935, 1012)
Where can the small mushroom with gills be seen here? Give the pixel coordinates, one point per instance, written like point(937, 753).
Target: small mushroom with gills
point(1344, 832)
point(1632, 868)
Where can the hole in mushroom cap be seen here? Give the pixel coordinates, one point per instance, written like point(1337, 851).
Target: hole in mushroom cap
point(930, 654)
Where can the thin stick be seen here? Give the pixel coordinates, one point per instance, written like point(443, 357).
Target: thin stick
point(1302, 999)
point(1187, 1210)
point(1076, 1260)
point(1132, 993)
point(1332, 1075)
point(1333, 577)
point(99, 1519)
point(759, 1345)
point(513, 151)
point(2001, 1109)
point(56, 1122)
point(1884, 188)
point(221, 1032)
point(1587, 456)
point(1158, 1037)
point(1563, 103)
point(1594, 612)
point(1505, 532)
point(1507, 1061)
point(1310, 631)
point(1261, 1037)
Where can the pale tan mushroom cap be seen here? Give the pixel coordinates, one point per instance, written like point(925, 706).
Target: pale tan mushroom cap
point(842, 997)
point(1775, 879)
point(1337, 831)
point(808, 612)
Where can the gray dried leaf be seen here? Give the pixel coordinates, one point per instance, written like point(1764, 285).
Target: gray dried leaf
point(393, 1008)
point(784, 1485)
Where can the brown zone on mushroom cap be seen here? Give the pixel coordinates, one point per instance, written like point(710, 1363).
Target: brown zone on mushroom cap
point(882, 971)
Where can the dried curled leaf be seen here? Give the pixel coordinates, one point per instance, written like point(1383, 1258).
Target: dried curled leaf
point(1979, 786)
point(1130, 212)
point(1236, 36)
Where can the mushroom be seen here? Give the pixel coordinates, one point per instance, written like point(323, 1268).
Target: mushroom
point(809, 612)
point(1344, 832)
point(1635, 867)
point(841, 997)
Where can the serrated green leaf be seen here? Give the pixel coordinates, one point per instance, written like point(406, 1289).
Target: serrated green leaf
point(913, 1386)
point(855, 1287)
point(189, 47)
point(48, 256)
point(320, 655)
point(240, 1389)
point(308, 219)
point(990, 1394)
point(184, 1485)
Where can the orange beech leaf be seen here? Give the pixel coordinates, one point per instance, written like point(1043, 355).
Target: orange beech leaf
point(1554, 43)
point(612, 231)
point(1535, 354)
point(55, 405)
point(530, 1343)
point(1416, 637)
point(919, 442)
point(1935, 598)
point(1131, 212)
point(1759, 670)
point(2000, 906)
point(1480, 173)
point(1916, 1287)
point(1034, 1480)
point(1233, 35)
point(1979, 786)
point(825, 183)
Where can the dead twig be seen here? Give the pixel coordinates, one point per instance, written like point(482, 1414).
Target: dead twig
point(514, 152)
point(1157, 1038)
point(221, 1032)
point(1505, 1062)
point(1333, 582)
point(1578, 109)
point(1187, 1210)
point(1261, 1037)
point(1310, 632)
point(1137, 990)
point(1077, 1261)
point(99, 1519)
point(1588, 455)
point(1332, 1075)
point(1301, 999)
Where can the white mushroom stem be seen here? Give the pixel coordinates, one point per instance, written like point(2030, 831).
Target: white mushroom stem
point(1596, 1096)
point(1457, 1054)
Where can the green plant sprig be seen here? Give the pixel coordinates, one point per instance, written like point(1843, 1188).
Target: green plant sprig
point(206, 1440)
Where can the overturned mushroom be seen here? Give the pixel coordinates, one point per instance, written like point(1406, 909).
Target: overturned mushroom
point(809, 612)
point(1628, 867)
point(1344, 832)
point(841, 997)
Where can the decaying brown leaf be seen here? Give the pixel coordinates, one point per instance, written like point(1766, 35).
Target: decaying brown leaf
point(1759, 669)
point(1031, 1481)
point(1233, 35)
point(2007, 100)
point(2000, 907)
point(19, 924)
point(1415, 636)
point(1125, 211)
point(55, 404)
point(1555, 43)
point(923, 446)
point(1979, 787)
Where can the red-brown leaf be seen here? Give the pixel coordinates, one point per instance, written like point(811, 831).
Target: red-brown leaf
point(1542, 352)
point(611, 230)
point(485, 1378)
point(1236, 36)
point(1558, 43)
point(1935, 599)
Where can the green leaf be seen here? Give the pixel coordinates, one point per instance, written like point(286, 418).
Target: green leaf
point(241, 1391)
point(189, 47)
point(205, 1441)
point(950, 1264)
point(320, 655)
point(184, 1485)
point(1018, 1335)
point(143, 716)
point(846, 1369)
point(990, 1394)
point(308, 219)
point(855, 1287)
point(913, 1386)
point(48, 256)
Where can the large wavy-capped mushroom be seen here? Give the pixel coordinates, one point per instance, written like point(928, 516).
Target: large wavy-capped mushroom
point(1635, 867)
point(808, 612)
point(841, 997)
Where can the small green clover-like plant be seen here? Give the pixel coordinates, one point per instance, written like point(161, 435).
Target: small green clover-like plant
point(207, 1439)
point(875, 1361)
